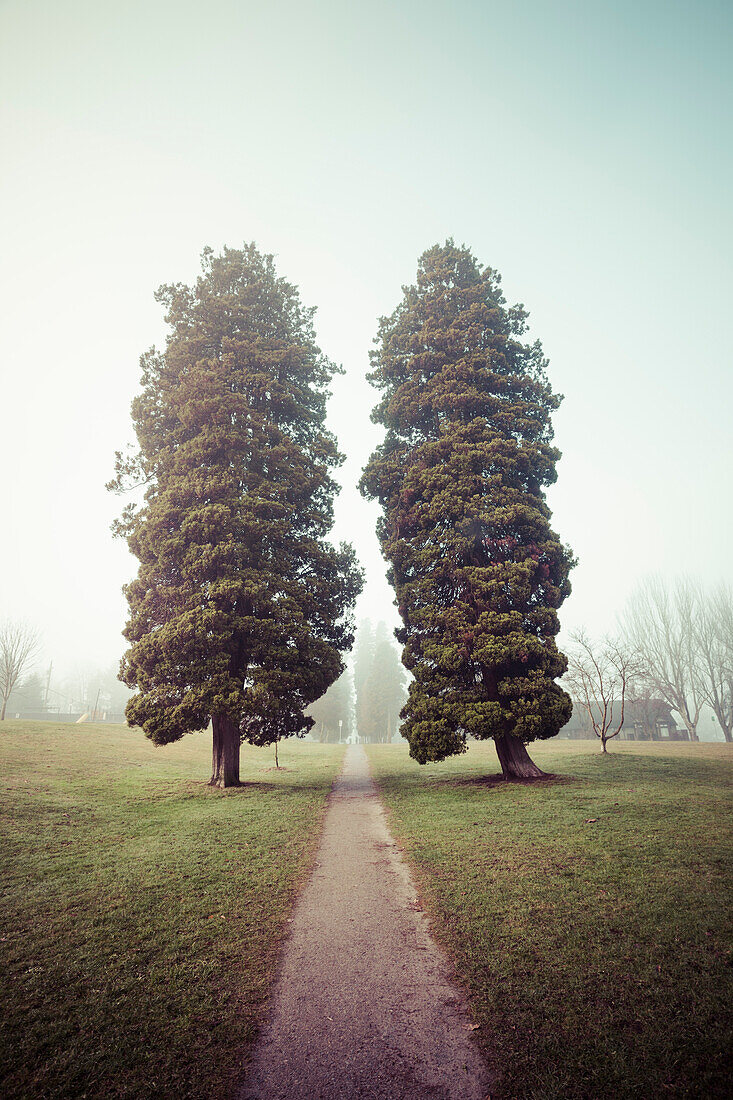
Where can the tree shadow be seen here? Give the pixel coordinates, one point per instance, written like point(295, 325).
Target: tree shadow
point(549, 779)
point(495, 781)
point(262, 785)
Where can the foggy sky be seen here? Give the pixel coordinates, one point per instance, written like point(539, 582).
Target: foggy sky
point(581, 149)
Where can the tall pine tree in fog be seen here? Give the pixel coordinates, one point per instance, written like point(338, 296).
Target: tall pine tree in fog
point(478, 571)
point(363, 661)
point(241, 607)
point(385, 688)
point(380, 683)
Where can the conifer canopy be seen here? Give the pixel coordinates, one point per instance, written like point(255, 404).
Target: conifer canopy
point(478, 571)
point(241, 607)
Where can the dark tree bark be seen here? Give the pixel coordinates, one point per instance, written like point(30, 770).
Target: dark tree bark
point(515, 761)
point(225, 754)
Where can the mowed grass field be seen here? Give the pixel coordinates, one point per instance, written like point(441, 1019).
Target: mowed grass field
point(589, 917)
point(142, 911)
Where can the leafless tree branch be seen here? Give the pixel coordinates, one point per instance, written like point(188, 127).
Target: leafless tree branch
point(598, 676)
point(19, 644)
point(661, 626)
point(714, 640)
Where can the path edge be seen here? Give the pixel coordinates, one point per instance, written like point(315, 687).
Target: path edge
point(428, 917)
point(240, 1073)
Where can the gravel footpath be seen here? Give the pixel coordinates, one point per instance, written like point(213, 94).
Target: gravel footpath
point(364, 1006)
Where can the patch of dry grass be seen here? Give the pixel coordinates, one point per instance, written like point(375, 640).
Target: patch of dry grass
point(142, 911)
point(589, 917)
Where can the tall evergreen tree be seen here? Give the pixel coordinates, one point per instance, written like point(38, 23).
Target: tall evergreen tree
point(478, 571)
point(363, 661)
point(385, 691)
point(241, 607)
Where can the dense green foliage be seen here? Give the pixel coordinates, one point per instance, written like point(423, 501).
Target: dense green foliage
point(142, 912)
point(478, 571)
point(240, 610)
point(589, 917)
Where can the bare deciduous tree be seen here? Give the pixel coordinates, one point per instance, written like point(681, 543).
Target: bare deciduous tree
point(598, 677)
point(715, 644)
point(18, 646)
point(662, 627)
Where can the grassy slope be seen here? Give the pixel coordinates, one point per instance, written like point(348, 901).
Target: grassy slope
point(597, 954)
point(141, 910)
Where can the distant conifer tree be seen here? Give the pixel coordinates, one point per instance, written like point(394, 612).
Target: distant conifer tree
point(241, 607)
point(478, 571)
point(385, 688)
point(363, 661)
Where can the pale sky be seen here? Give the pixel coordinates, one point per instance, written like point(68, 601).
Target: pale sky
point(582, 149)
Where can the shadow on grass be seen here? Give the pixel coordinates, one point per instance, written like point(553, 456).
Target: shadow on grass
point(264, 785)
point(549, 779)
point(164, 793)
point(491, 782)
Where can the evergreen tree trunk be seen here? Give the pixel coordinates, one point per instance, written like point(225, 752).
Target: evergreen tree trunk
point(515, 761)
point(225, 754)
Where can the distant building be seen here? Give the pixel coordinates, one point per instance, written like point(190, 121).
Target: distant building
point(644, 720)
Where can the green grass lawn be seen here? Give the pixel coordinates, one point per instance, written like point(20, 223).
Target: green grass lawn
point(142, 911)
point(589, 917)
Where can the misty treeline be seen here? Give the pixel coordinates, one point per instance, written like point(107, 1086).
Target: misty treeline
point(379, 683)
point(33, 692)
point(673, 652)
point(333, 713)
point(19, 645)
point(682, 635)
point(41, 693)
point(91, 689)
point(364, 703)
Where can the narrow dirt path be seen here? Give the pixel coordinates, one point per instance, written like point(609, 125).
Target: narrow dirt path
point(364, 1006)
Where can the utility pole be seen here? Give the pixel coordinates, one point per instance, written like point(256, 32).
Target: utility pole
point(48, 686)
